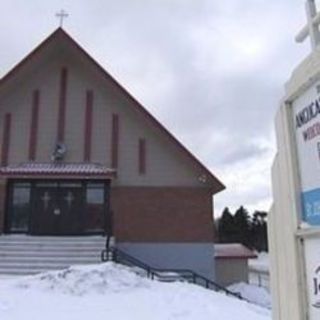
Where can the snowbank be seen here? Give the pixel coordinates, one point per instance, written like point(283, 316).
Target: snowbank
point(116, 292)
point(261, 263)
point(85, 280)
point(252, 293)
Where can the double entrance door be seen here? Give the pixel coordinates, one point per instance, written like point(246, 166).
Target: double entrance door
point(58, 208)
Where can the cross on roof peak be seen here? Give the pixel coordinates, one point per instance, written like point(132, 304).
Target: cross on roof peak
point(61, 15)
point(312, 27)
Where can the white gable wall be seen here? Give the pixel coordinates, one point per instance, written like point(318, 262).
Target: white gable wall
point(166, 165)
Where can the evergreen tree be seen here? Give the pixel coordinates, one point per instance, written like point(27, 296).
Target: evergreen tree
point(226, 227)
point(259, 231)
point(243, 226)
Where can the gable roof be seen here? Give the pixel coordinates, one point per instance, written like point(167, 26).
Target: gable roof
point(61, 35)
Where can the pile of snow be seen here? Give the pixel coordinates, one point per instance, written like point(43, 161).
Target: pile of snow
point(253, 293)
point(82, 280)
point(116, 292)
point(261, 263)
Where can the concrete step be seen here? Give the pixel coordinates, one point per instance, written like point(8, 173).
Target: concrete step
point(41, 259)
point(23, 255)
point(51, 245)
point(50, 254)
point(45, 264)
point(50, 242)
point(49, 238)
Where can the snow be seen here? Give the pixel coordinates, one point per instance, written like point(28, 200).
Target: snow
point(116, 292)
point(259, 270)
point(253, 293)
point(261, 263)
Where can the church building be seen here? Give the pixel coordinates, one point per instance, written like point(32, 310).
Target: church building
point(81, 156)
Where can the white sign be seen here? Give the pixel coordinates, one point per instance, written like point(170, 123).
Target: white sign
point(306, 120)
point(312, 261)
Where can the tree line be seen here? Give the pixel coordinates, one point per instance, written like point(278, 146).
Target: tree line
point(241, 227)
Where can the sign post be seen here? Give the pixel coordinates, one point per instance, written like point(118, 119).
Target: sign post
point(312, 258)
point(294, 221)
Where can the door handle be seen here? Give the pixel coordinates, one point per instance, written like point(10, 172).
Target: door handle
point(56, 211)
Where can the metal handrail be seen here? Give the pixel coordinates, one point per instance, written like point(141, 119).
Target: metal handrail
point(189, 275)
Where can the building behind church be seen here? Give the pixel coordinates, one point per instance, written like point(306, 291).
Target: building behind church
point(81, 156)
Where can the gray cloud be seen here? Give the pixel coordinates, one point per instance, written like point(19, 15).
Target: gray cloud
point(242, 152)
point(211, 71)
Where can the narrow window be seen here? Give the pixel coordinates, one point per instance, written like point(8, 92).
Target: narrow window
point(62, 104)
point(88, 126)
point(34, 125)
point(95, 207)
point(19, 215)
point(114, 141)
point(142, 156)
point(6, 139)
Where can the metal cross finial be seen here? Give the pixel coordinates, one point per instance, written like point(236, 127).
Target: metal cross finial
point(312, 27)
point(61, 15)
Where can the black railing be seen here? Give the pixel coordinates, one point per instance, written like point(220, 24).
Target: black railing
point(120, 256)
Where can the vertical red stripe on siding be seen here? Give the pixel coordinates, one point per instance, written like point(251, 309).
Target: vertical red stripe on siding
point(62, 104)
point(6, 139)
point(88, 126)
point(115, 141)
point(34, 125)
point(142, 156)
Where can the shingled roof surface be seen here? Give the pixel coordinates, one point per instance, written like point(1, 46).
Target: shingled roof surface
point(56, 168)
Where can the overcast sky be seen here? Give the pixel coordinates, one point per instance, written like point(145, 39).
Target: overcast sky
point(211, 71)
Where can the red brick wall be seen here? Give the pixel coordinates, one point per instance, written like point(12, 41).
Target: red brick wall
point(2, 203)
point(162, 214)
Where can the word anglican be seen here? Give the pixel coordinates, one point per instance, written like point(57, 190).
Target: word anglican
point(308, 113)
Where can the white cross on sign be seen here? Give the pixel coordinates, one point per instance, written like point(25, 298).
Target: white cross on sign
point(312, 27)
point(61, 15)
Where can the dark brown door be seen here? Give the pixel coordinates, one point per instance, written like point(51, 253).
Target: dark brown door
point(57, 210)
point(71, 206)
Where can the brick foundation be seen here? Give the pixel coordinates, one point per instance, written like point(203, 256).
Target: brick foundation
point(162, 214)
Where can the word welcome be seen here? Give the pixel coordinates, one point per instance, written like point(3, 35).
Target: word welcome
point(312, 132)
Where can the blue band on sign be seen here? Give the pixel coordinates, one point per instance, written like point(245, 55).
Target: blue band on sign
point(311, 206)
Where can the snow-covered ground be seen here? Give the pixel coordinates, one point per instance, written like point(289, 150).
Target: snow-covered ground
point(109, 291)
point(259, 270)
point(253, 293)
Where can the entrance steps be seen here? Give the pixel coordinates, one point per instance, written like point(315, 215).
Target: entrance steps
point(26, 255)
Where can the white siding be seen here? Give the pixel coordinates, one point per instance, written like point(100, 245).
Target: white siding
point(166, 165)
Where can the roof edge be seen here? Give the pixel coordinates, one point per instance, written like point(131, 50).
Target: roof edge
point(24, 60)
